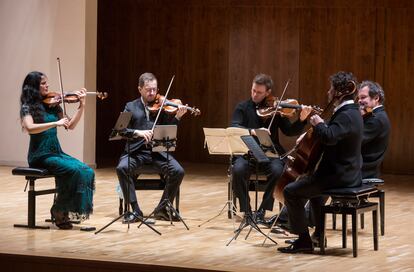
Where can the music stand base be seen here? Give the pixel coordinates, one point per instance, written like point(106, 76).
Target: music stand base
point(123, 215)
point(166, 203)
point(248, 221)
point(230, 212)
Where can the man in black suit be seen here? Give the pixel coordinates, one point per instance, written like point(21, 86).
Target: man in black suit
point(376, 128)
point(339, 166)
point(140, 153)
point(245, 116)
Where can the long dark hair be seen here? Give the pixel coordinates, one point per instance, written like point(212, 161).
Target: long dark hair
point(31, 99)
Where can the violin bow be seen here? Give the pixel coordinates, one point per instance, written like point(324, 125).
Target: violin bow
point(162, 104)
point(278, 103)
point(61, 87)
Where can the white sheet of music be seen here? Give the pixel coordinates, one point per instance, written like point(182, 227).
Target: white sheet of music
point(225, 141)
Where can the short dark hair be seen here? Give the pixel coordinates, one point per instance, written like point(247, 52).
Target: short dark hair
point(343, 83)
point(144, 78)
point(263, 79)
point(374, 89)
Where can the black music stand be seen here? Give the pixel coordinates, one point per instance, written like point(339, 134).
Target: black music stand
point(266, 143)
point(165, 140)
point(120, 132)
point(255, 153)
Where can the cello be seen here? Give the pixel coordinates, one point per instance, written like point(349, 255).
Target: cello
point(306, 153)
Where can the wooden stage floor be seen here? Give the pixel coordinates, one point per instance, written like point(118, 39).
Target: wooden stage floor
point(203, 194)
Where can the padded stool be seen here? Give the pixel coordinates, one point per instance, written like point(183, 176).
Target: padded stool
point(31, 175)
point(380, 194)
point(351, 201)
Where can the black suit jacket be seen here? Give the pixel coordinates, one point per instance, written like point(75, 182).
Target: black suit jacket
point(244, 116)
point(375, 141)
point(139, 121)
point(341, 138)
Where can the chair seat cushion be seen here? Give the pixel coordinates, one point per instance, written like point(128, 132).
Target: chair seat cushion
point(31, 172)
point(354, 191)
point(373, 181)
point(148, 169)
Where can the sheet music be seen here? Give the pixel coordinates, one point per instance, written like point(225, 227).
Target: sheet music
point(225, 141)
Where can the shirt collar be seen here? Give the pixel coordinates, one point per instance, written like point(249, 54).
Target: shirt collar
point(346, 102)
point(376, 107)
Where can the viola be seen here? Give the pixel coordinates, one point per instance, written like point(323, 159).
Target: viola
point(286, 107)
point(170, 106)
point(365, 111)
point(55, 98)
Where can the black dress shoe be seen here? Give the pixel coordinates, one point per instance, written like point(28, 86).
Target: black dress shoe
point(258, 217)
point(163, 214)
point(132, 217)
point(298, 246)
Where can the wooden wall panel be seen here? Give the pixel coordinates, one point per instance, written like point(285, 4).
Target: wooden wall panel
point(216, 47)
point(332, 40)
point(398, 86)
point(263, 40)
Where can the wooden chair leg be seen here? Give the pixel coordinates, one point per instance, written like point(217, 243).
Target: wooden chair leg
point(344, 228)
point(322, 235)
point(121, 206)
point(375, 226)
point(334, 221)
point(355, 233)
point(362, 221)
point(382, 210)
point(177, 200)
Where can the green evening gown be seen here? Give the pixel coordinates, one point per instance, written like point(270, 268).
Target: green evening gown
point(75, 181)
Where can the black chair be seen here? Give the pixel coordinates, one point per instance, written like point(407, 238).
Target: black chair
point(149, 184)
point(380, 194)
point(31, 175)
point(351, 201)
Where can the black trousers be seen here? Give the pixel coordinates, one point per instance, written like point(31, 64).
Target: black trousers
point(159, 160)
point(241, 171)
point(296, 194)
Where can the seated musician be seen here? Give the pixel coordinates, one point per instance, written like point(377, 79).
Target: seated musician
point(376, 128)
point(374, 141)
point(140, 153)
point(245, 116)
point(75, 181)
point(339, 167)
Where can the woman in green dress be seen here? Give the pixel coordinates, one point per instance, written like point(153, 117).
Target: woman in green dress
point(74, 179)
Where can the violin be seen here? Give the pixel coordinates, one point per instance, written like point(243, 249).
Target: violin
point(55, 98)
point(286, 108)
point(170, 106)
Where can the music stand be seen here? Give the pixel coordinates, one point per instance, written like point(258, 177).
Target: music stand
point(257, 154)
point(266, 143)
point(269, 148)
point(225, 141)
point(164, 139)
point(120, 132)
